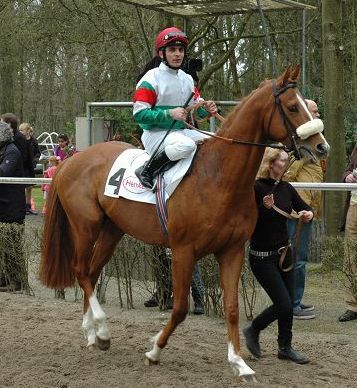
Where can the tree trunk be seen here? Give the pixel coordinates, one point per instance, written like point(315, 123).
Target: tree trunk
point(7, 78)
point(334, 126)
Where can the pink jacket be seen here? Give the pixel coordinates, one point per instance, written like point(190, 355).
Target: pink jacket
point(49, 173)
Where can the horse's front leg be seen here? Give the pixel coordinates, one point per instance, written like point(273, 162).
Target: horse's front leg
point(182, 268)
point(230, 263)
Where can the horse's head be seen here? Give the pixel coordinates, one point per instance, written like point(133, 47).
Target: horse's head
point(288, 120)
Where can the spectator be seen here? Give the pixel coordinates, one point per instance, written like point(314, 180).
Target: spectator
point(24, 147)
point(36, 148)
point(305, 170)
point(64, 148)
point(269, 242)
point(13, 272)
point(49, 173)
point(163, 295)
point(350, 227)
point(27, 131)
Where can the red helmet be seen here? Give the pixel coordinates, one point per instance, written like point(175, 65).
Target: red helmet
point(171, 36)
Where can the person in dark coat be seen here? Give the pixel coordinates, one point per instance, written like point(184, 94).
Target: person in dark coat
point(23, 146)
point(13, 273)
point(270, 255)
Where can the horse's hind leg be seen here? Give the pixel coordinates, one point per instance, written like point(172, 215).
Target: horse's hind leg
point(182, 268)
point(94, 319)
point(230, 263)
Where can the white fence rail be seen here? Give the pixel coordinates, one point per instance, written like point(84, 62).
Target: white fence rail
point(298, 185)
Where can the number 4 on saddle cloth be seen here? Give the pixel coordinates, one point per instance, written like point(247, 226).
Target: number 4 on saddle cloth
point(122, 181)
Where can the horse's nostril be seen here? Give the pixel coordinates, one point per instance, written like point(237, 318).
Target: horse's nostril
point(322, 148)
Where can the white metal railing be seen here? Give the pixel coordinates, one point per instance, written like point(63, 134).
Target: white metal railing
point(29, 181)
point(129, 104)
point(298, 185)
point(48, 140)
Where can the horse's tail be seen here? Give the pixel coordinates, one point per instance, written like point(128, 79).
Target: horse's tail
point(57, 253)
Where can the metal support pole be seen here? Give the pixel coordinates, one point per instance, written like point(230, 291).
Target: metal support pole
point(267, 38)
point(185, 25)
point(303, 76)
point(89, 122)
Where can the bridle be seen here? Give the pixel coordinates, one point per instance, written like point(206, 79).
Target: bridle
point(287, 123)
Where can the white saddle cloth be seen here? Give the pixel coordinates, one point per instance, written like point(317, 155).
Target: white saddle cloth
point(122, 181)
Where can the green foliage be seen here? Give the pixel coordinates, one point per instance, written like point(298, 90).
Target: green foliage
point(340, 256)
point(37, 195)
point(122, 122)
point(70, 130)
point(62, 54)
point(333, 253)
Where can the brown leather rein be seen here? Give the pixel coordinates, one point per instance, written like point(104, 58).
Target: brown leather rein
point(232, 141)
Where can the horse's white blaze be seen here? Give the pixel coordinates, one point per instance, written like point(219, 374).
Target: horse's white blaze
point(304, 106)
point(99, 318)
point(88, 327)
point(154, 354)
point(238, 365)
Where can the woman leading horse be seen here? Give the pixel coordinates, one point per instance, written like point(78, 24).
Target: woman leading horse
point(212, 211)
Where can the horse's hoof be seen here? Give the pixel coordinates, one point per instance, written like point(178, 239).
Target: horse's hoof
point(103, 344)
point(149, 362)
point(249, 379)
point(91, 348)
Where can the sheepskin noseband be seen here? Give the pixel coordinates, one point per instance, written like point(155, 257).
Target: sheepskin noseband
point(310, 128)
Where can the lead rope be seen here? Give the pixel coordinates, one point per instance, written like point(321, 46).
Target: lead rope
point(291, 216)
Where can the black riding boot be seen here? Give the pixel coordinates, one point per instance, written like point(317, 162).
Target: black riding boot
point(147, 173)
point(287, 352)
point(252, 341)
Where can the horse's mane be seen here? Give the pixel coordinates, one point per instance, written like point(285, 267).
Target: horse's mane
point(228, 121)
point(289, 76)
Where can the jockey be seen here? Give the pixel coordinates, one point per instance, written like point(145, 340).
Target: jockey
point(158, 106)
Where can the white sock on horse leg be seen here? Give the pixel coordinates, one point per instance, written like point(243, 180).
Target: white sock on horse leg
point(237, 363)
point(89, 327)
point(99, 318)
point(154, 354)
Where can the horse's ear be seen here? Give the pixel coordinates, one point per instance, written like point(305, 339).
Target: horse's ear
point(286, 76)
point(295, 72)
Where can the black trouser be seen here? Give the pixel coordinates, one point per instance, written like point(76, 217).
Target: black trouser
point(279, 286)
point(162, 273)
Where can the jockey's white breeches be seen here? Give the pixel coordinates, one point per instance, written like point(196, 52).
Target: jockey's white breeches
point(177, 145)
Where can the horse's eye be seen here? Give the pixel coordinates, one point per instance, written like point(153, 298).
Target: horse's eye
point(293, 108)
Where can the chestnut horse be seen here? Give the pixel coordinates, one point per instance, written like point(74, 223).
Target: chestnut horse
point(212, 211)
